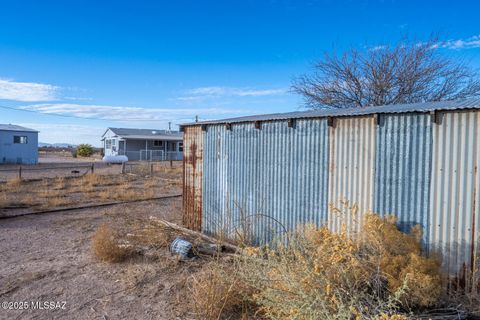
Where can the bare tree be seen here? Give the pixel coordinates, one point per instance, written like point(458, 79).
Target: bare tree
point(408, 72)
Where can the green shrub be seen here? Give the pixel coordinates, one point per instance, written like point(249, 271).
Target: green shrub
point(85, 150)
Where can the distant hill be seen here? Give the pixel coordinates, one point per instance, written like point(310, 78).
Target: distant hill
point(56, 145)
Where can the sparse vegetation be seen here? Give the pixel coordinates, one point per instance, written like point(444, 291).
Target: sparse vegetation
point(216, 291)
point(379, 273)
point(49, 193)
point(106, 245)
point(325, 275)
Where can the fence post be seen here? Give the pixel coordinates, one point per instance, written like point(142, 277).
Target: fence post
point(20, 173)
point(171, 163)
point(123, 167)
point(151, 168)
point(92, 169)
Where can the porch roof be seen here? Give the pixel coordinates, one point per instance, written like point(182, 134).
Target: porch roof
point(151, 138)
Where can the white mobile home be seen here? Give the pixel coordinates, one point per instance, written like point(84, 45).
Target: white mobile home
point(143, 144)
point(18, 144)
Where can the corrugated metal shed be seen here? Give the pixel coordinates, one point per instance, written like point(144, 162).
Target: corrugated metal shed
point(454, 204)
point(419, 162)
point(403, 165)
point(192, 179)
point(352, 160)
point(251, 178)
point(424, 107)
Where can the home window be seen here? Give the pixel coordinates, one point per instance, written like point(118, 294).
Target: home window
point(108, 144)
point(20, 139)
point(180, 146)
point(157, 143)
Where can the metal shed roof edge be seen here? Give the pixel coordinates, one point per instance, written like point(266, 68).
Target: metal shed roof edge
point(461, 104)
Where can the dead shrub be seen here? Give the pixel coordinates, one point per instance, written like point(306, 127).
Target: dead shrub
point(219, 293)
point(400, 258)
point(326, 275)
point(106, 246)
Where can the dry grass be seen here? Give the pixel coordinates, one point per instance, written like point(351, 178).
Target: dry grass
point(106, 246)
point(14, 185)
point(60, 184)
point(154, 236)
point(219, 293)
point(56, 202)
point(324, 275)
point(91, 188)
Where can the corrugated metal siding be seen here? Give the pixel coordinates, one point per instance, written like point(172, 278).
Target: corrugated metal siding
point(215, 218)
point(420, 171)
point(403, 169)
point(455, 183)
point(193, 176)
point(352, 161)
point(260, 181)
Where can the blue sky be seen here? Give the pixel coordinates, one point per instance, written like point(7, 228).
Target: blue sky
point(147, 63)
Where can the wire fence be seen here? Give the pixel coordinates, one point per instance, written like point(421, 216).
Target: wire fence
point(53, 170)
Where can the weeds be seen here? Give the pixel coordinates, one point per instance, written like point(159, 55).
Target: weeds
point(106, 246)
point(14, 184)
point(217, 292)
point(326, 275)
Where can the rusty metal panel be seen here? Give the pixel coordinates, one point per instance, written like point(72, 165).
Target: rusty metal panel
point(454, 196)
point(403, 169)
point(262, 181)
point(352, 162)
point(193, 177)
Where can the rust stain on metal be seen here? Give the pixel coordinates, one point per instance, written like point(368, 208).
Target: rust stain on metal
point(473, 253)
point(193, 177)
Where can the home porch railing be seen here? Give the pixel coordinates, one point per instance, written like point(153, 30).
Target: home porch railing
point(152, 155)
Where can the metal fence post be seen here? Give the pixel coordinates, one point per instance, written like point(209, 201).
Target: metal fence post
point(92, 169)
point(20, 172)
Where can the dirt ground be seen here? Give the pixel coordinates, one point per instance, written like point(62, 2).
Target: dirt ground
point(48, 258)
point(64, 156)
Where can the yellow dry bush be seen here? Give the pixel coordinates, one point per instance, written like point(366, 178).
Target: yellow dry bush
point(317, 274)
point(400, 258)
point(384, 316)
point(106, 247)
point(219, 293)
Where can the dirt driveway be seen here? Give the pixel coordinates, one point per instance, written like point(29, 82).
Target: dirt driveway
point(47, 258)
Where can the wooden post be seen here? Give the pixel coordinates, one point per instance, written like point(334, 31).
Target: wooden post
point(123, 167)
point(171, 163)
point(20, 173)
point(151, 168)
point(92, 169)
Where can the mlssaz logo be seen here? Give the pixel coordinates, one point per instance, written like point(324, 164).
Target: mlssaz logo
point(49, 305)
